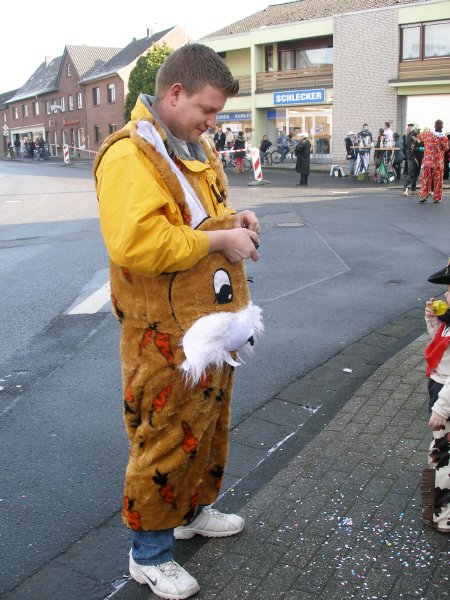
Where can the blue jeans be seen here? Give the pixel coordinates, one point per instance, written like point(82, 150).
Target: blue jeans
point(152, 547)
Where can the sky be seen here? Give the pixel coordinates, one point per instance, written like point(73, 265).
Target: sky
point(39, 29)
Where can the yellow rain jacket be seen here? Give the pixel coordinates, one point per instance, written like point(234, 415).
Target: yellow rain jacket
point(141, 201)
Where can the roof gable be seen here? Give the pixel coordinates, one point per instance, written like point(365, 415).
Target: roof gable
point(4, 97)
point(87, 59)
point(125, 57)
point(44, 79)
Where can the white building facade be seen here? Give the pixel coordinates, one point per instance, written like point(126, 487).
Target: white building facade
point(329, 67)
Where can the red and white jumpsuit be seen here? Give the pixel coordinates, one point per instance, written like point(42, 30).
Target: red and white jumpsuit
point(435, 146)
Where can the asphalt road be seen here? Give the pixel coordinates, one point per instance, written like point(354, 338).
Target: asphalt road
point(338, 259)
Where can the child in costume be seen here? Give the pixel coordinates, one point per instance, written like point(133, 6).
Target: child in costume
point(435, 484)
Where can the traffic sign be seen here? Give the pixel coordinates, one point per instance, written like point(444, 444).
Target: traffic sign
point(5, 130)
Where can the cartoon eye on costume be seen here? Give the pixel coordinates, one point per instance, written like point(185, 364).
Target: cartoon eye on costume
point(222, 287)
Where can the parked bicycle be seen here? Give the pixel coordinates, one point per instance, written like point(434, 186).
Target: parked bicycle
point(290, 155)
point(228, 160)
point(267, 157)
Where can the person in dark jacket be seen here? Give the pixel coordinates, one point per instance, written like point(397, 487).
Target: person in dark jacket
point(219, 139)
point(263, 147)
point(398, 155)
point(405, 166)
point(239, 155)
point(447, 159)
point(303, 154)
point(350, 152)
point(413, 157)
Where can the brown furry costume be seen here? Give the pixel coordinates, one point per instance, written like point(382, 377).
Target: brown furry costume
point(177, 424)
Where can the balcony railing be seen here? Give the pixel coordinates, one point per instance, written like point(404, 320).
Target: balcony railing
point(298, 78)
point(244, 84)
point(418, 70)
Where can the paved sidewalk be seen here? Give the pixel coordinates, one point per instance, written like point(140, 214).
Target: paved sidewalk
point(342, 518)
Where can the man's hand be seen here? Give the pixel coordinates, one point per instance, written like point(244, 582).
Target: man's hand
point(436, 422)
point(248, 220)
point(235, 244)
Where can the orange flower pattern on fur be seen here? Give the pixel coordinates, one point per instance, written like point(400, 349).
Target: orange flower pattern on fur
point(132, 517)
point(217, 473)
point(162, 342)
point(190, 442)
point(193, 506)
point(166, 488)
point(159, 402)
point(116, 308)
point(126, 273)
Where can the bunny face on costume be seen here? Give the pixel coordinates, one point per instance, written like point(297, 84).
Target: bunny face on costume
point(215, 313)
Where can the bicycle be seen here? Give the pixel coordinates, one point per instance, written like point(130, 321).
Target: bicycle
point(276, 155)
point(228, 160)
point(267, 157)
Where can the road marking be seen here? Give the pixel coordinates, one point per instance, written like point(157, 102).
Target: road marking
point(346, 269)
point(94, 297)
point(93, 303)
point(13, 201)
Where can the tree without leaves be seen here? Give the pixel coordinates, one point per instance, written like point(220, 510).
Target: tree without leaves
point(143, 76)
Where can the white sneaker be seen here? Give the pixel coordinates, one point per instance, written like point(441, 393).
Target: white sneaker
point(168, 580)
point(405, 192)
point(210, 523)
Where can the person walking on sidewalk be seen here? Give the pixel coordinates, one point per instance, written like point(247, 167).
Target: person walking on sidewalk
point(158, 182)
point(229, 136)
point(350, 153)
point(435, 147)
point(219, 139)
point(239, 147)
point(398, 155)
point(412, 159)
point(303, 154)
point(435, 484)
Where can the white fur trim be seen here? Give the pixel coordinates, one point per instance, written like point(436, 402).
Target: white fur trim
point(147, 131)
point(211, 339)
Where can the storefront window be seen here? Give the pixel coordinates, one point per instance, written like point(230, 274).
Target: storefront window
point(437, 40)
point(316, 122)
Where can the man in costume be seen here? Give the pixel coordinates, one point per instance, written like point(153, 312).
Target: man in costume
point(176, 252)
point(435, 147)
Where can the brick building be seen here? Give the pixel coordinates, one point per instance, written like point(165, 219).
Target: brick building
point(77, 98)
point(328, 66)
